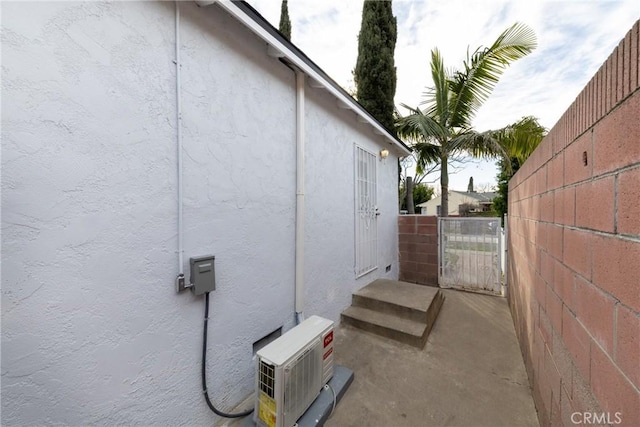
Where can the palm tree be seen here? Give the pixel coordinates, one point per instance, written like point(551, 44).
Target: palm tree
point(444, 128)
point(519, 139)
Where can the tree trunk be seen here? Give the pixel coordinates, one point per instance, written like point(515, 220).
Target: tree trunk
point(444, 186)
point(409, 186)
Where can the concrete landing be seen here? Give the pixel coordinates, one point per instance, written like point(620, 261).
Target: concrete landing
point(398, 310)
point(470, 374)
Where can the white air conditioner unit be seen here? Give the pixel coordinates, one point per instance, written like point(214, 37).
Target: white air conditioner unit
point(291, 371)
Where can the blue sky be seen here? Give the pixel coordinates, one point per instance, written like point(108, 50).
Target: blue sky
point(574, 39)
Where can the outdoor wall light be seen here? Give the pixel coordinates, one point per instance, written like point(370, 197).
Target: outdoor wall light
point(384, 153)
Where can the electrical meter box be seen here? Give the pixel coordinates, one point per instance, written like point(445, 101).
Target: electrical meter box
point(203, 274)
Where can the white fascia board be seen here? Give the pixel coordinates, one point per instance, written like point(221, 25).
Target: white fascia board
point(294, 59)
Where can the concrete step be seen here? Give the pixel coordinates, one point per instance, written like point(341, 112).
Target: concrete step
point(403, 299)
point(401, 311)
point(387, 325)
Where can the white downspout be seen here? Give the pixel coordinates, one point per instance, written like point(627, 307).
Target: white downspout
point(179, 143)
point(299, 262)
point(299, 250)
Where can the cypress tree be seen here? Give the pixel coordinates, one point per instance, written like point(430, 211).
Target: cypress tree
point(285, 22)
point(375, 71)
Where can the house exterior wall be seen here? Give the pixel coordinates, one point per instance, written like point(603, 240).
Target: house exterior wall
point(330, 247)
point(574, 252)
point(455, 200)
point(93, 331)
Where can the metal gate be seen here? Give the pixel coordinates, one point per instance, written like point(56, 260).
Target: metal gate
point(470, 251)
point(366, 212)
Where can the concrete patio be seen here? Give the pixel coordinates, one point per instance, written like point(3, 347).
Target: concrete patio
point(470, 373)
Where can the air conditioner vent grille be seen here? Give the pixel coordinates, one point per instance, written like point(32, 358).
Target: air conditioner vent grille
point(267, 379)
point(303, 381)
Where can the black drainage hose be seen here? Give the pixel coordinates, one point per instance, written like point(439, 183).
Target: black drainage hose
point(204, 369)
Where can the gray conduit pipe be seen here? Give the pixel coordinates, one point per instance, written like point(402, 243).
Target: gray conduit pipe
point(299, 262)
point(179, 143)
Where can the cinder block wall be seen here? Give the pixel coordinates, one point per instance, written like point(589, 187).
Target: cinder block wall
point(418, 242)
point(574, 245)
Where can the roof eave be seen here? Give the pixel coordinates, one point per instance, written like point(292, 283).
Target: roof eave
point(282, 48)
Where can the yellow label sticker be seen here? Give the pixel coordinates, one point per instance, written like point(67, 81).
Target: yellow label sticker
point(267, 410)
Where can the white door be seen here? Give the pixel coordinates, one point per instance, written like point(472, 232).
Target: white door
point(366, 212)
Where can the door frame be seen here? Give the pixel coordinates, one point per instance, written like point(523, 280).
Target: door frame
point(372, 213)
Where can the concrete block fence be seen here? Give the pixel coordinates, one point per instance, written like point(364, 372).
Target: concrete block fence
point(574, 244)
point(418, 243)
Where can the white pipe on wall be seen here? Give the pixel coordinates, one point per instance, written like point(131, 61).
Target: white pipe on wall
point(299, 219)
point(299, 262)
point(179, 143)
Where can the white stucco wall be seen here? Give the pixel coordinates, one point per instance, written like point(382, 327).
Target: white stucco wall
point(330, 230)
point(92, 329)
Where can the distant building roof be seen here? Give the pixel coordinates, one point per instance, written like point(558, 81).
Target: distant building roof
point(479, 197)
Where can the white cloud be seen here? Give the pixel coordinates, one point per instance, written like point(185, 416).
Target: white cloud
point(574, 39)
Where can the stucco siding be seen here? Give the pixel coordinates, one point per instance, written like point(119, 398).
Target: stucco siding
point(93, 331)
point(239, 181)
point(333, 133)
point(89, 320)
